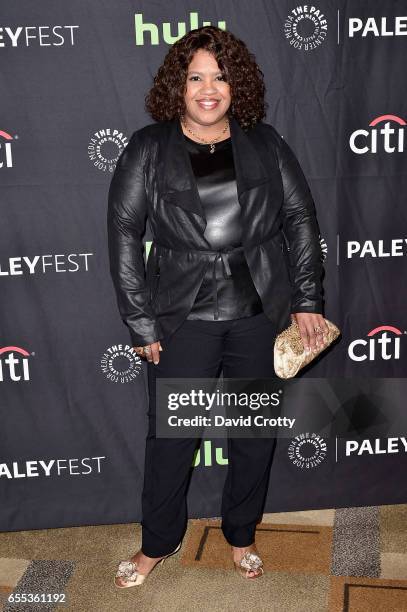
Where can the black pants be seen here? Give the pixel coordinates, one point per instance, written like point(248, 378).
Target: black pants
point(243, 348)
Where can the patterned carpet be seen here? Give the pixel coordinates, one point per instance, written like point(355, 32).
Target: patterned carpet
point(350, 559)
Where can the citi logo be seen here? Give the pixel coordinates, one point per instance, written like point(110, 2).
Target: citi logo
point(6, 158)
point(14, 364)
point(379, 137)
point(382, 342)
point(167, 35)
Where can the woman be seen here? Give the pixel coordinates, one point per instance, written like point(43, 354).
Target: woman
point(235, 254)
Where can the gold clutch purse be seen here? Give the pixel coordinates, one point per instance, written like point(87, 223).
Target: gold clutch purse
point(289, 353)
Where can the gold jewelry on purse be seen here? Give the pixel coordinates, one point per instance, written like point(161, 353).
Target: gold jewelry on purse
point(289, 352)
point(209, 142)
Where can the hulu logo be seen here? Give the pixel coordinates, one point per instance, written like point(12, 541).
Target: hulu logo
point(208, 456)
point(167, 36)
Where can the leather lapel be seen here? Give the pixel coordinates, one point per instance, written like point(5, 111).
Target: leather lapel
point(179, 185)
point(249, 168)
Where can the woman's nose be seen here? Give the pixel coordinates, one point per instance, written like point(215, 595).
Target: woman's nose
point(208, 87)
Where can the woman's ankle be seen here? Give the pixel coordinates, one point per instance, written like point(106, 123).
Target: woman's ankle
point(238, 551)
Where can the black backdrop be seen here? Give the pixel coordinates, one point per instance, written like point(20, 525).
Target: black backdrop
point(73, 397)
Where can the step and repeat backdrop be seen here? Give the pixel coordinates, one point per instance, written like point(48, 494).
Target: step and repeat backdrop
point(73, 394)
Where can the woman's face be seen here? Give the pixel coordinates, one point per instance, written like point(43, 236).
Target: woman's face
point(207, 94)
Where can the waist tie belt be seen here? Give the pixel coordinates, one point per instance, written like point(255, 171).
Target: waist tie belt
point(219, 254)
point(223, 255)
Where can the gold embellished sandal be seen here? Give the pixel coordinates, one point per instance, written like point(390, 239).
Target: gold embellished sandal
point(250, 562)
point(127, 570)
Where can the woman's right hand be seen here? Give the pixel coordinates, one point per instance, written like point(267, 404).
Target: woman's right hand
point(152, 353)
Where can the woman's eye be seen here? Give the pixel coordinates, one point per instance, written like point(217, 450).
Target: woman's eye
point(197, 77)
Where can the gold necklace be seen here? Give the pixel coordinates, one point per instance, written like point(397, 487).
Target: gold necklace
point(209, 142)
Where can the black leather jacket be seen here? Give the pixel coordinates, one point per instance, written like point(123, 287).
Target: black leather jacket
point(225, 293)
point(154, 178)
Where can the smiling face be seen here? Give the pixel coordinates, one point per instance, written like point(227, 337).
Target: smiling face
point(207, 95)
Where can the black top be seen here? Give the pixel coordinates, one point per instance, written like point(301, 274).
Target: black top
point(227, 290)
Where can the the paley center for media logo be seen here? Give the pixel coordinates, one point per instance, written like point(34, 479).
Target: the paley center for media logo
point(306, 27)
point(105, 147)
point(120, 363)
point(307, 450)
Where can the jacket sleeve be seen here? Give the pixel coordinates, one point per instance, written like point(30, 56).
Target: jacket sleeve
point(126, 221)
point(301, 231)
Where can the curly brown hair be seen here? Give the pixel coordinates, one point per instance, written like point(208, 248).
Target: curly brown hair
point(165, 100)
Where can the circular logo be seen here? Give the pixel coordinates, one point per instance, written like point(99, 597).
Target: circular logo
point(307, 450)
point(305, 28)
point(121, 364)
point(105, 147)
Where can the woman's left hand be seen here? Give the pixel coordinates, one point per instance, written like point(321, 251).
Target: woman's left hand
point(312, 329)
